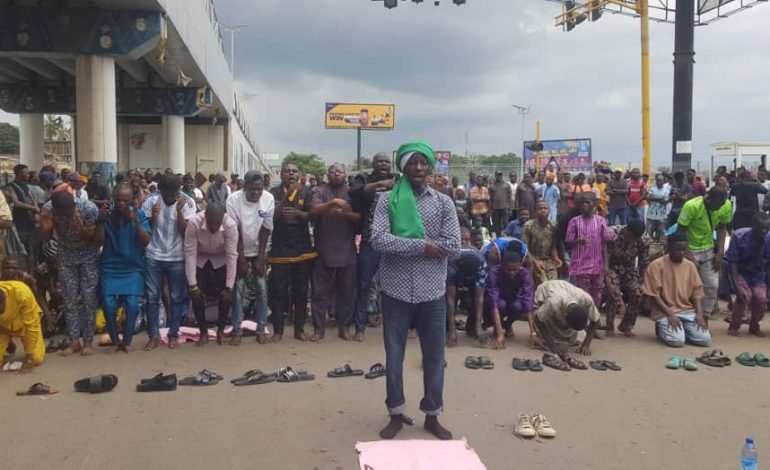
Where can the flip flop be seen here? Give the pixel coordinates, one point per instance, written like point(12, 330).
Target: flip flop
point(345, 371)
point(598, 365)
point(746, 359)
point(12, 366)
point(246, 375)
point(555, 363)
point(37, 389)
point(377, 370)
point(200, 379)
point(611, 365)
point(674, 362)
point(486, 363)
point(761, 360)
point(689, 364)
point(53, 346)
point(287, 374)
point(534, 365)
point(709, 359)
point(96, 384)
point(257, 378)
point(472, 362)
point(575, 364)
point(520, 364)
point(719, 356)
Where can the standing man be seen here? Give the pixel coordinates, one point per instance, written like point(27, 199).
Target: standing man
point(97, 192)
point(617, 190)
point(335, 271)
point(657, 214)
point(551, 195)
point(526, 195)
point(233, 184)
point(681, 192)
point(291, 253)
point(416, 230)
point(745, 190)
point(637, 189)
point(211, 256)
point(512, 182)
point(700, 219)
point(218, 191)
point(24, 211)
point(539, 236)
point(123, 232)
point(252, 208)
point(72, 224)
point(480, 207)
point(168, 209)
point(365, 192)
point(500, 195)
point(698, 187)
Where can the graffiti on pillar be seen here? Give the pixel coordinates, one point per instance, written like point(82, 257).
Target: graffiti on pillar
point(18, 99)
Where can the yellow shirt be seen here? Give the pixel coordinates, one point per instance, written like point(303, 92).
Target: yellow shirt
point(22, 314)
point(602, 189)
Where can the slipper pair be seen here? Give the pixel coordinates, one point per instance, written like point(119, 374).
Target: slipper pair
point(686, 363)
point(758, 359)
point(203, 377)
point(96, 384)
point(555, 362)
point(527, 364)
point(345, 371)
point(714, 358)
point(605, 365)
point(254, 377)
point(479, 362)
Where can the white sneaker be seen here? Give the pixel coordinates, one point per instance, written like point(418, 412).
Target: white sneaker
point(524, 427)
point(542, 426)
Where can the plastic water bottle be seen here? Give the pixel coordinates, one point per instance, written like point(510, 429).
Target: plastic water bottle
point(749, 456)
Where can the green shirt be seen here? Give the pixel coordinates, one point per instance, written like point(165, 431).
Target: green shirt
point(700, 234)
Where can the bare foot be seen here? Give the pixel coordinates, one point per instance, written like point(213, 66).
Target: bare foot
point(627, 333)
point(263, 338)
point(757, 332)
point(151, 344)
point(412, 334)
point(73, 348)
point(317, 336)
point(276, 338)
point(127, 348)
point(300, 336)
point(235, 340)
point(173, 343)
point(609, 333)
point(202, 341)
point(113, 349)
point(343, 333)
point(733, 332)
point(451, 339)
point(220, 337)
point(87, 350)
point(359, 337)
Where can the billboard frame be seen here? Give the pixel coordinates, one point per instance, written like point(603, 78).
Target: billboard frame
point(359, 127)
point(524, 148)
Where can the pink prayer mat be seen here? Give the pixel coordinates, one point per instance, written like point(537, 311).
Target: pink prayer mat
point(418, 455)
point(188, 333)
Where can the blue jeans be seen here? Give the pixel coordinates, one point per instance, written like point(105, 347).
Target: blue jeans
point(173, 271)
point(110, 305)
point(368, 264)
point(251, 298)
point(636, 213)
point(430, 320)
point(621, 214)
point(690, 332)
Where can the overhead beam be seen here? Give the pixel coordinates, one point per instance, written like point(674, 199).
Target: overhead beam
point(136, 69)
point(68, 65)
point(40, 66)
point(14, 70)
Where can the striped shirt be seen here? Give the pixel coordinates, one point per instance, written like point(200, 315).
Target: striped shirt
point(166, 243)
point(587, 259)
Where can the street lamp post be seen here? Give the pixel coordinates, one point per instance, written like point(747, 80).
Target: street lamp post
point(523, 111)
point(232, 29)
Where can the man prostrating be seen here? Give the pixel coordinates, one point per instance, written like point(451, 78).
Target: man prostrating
point(416, 230)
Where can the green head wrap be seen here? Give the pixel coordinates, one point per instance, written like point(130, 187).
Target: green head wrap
point(405, 219)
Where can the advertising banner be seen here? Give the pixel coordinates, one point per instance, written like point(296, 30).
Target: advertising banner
point(363, 116)
point(573, 155)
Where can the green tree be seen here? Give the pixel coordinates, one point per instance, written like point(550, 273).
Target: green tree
point(307, 163)
point(664, 169)
point(9, 139)
point(56, 128)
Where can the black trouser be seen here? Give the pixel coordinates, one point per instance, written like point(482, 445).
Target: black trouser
point(287, 286)
point(211, 282)
point(499, 221)
point(333, 287)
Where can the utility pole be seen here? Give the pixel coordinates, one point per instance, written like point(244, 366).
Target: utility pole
point(523, 111)
point(684, 58)
point(232, 29)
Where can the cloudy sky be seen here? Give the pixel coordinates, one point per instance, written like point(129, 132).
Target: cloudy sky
point(453, 71)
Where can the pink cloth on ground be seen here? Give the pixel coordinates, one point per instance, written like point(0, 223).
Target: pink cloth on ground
point(418, 455)
point(188, 333)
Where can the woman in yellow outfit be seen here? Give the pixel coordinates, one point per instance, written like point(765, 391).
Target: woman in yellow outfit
point(20, 315)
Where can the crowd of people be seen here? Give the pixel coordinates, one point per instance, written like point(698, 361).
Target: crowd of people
point(406, 250)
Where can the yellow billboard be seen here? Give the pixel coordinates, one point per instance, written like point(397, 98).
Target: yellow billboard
point(363, 116)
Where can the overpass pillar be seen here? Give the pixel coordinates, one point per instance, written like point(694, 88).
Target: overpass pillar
point(31, 140)
point(173, 137)
point(97, 143)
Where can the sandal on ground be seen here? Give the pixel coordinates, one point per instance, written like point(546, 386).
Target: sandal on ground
point(746, 359)
point(96, 384)
point(12, 366)
point(472, 362)
point(761, 360)
point(555, 363)
point(598, 365)
point(486, 363)
point(575, 364)
point(674, 362)
point(520, 364)
point(203, 377)
point(345, 371)
point(37, 389)
point(287, 374)
point(534, 365)
point(377, 370)
point(255, 378)
point(612, 365)
point(710, 359)
point(689, 364)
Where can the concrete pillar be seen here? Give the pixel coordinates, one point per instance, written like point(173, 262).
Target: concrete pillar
point(97, 147)
point(31, 140)
point(173, 140)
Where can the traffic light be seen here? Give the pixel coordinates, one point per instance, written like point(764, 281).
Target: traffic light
point(596, 10)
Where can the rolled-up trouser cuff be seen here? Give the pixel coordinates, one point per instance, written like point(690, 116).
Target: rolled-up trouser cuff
point(397, 410)
point(433, 413)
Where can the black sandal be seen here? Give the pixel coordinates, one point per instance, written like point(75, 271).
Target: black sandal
point(555, 363)
point(345, 371)
point(96, 384)
point(377, 370)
